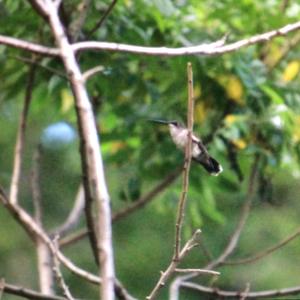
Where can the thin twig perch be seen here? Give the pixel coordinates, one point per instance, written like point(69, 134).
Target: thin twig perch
point(187, 164)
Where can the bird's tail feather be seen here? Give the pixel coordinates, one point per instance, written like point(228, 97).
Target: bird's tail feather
point(209, 164)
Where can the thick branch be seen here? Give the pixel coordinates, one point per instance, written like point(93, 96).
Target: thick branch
point(92, 164)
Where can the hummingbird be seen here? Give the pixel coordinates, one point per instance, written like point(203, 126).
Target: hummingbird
point(179, 135)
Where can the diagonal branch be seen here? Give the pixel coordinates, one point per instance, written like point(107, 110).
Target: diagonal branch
point(103, 18)
point(264, 253)
point(74, 215)
point(35, 231)
point(28, 293)
point(233, 241)
point(141, 202)
point(270, 294)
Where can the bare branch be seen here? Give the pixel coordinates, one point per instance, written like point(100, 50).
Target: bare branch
point(28, 46)
point(244, 295)
point(28, 293)
point(285, 50)
point(57, 3)
point(19, 147)
point(264, 253)
point(197, 271)
point(173, 265)
point(35, 231)
point(74, 216)
point(92, 164)
point(59, 275)
point(215, 48)
point(87, 74)
point(237, 294)
point(38, 6)
point(187, 163)
point(178, 282)
point(43, 252)
point(101, 21)
point(72, 238)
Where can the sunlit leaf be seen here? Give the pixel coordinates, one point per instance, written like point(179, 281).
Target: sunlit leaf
point(67, 100)
point(291, 71)
point(274, 96)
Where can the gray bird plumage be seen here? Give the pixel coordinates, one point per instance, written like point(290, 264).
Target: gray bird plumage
point(179, 135)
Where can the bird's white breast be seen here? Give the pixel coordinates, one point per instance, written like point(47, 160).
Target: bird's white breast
point(180, 138)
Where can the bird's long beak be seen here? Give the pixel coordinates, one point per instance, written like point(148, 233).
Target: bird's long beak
point(159, 121)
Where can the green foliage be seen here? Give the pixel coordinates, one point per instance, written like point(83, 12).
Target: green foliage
point(243, 107)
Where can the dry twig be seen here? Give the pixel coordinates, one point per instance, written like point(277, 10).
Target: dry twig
point(59, 275)
point(103, 18)
point(187, 163)
point(264, 253)
point(74, 215)
point(28, 293)
point(172, 267)
point(237, 294)
point(14, 186)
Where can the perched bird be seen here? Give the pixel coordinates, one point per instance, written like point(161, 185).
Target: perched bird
point(200, 154)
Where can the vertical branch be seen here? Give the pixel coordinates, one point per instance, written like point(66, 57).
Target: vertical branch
point(187, 164)
point(43, 252)
point(19, 147)
point(92, 164)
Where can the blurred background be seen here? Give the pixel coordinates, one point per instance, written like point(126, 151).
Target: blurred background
point(247, 105)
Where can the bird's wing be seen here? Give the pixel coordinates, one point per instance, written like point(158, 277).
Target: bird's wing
point(201, 146)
